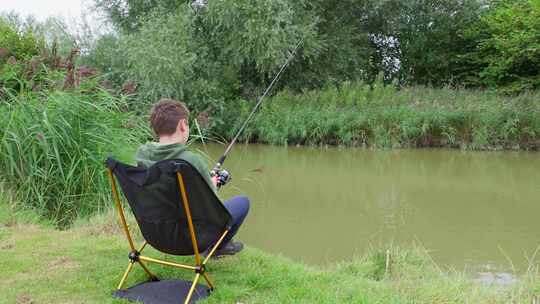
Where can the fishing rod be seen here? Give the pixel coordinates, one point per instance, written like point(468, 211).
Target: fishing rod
point(223, 175)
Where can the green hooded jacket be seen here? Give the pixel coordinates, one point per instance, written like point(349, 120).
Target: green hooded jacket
point(152, 152)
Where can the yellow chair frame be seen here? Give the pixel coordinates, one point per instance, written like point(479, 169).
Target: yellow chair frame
point(135, 255)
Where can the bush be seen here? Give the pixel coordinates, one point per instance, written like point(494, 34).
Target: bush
point(420, 41)
point(507, 54)
point(108, 56)
point(30, 54)
point(19, 45)
point(165, 59)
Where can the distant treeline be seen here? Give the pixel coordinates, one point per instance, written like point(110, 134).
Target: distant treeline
point(209, 52)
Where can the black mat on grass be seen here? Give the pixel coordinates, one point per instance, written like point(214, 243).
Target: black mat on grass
point(163, 292)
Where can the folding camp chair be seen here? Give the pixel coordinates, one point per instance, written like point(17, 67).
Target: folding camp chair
point(176, 211)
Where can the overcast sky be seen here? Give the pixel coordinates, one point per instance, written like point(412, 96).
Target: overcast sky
point(41, 9)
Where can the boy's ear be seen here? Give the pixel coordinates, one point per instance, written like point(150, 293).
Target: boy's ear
point(179, 127)
point(182, 125)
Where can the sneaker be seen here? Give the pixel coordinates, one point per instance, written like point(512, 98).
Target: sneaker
point(231, 248)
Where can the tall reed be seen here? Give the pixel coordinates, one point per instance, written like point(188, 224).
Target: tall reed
point(355, 114)
point(53, 145)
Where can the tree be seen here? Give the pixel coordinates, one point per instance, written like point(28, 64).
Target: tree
point(246, 42)
point(507, 52)
point(17, 41)
point(420, 41)
point(130, 15)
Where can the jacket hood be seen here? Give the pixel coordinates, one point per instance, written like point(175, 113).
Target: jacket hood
point(152, 152)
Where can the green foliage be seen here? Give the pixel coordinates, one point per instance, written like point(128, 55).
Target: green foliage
point(20, 77)
point(53, 147)
point(342, 50)
point(472, 43)
point(508, 50)
point(201, 57)
point(129, 15)
point(29, 76)
point(253, 38)
point(167, 60)
point(419, 41)
point(229, 48)
point(30, 54)
point(25, 38)
point(56, 34)
point(19, 45)
point(108, 56)
point(257, 34)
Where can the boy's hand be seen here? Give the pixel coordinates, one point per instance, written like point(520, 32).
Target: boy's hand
point(220, 178)
point(215, 180)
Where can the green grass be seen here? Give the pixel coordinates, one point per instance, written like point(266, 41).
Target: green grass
point(383, 117)
point(83, 265)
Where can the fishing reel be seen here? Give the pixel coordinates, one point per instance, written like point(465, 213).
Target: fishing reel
point(223, 176)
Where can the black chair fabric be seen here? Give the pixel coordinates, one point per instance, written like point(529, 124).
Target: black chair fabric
point(154, 197)
point(163, 292)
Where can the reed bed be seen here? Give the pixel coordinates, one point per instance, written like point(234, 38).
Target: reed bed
point(378, 116)
point(53, 146)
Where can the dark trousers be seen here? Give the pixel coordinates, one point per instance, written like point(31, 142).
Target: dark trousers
point(238, 207)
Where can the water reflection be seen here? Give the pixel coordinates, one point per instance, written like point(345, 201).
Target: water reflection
point(495, 278)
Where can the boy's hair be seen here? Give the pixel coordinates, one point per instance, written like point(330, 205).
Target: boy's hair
point(166, 114)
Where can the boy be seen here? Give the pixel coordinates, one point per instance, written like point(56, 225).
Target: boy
point(169, 120)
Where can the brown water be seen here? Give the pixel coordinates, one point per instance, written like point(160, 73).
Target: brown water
point(473, 210)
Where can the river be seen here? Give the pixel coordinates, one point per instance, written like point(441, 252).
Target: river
point(472, 210)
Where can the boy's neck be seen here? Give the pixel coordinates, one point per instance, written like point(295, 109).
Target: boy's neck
point(172, 139)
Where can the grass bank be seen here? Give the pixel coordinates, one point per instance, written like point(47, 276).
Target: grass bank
point(378, 116)
point(83, 264)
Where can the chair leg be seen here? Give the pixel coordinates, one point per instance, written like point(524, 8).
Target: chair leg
point(197, 276)
point(207, 278)
point(150, 274)
point(124, 277)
